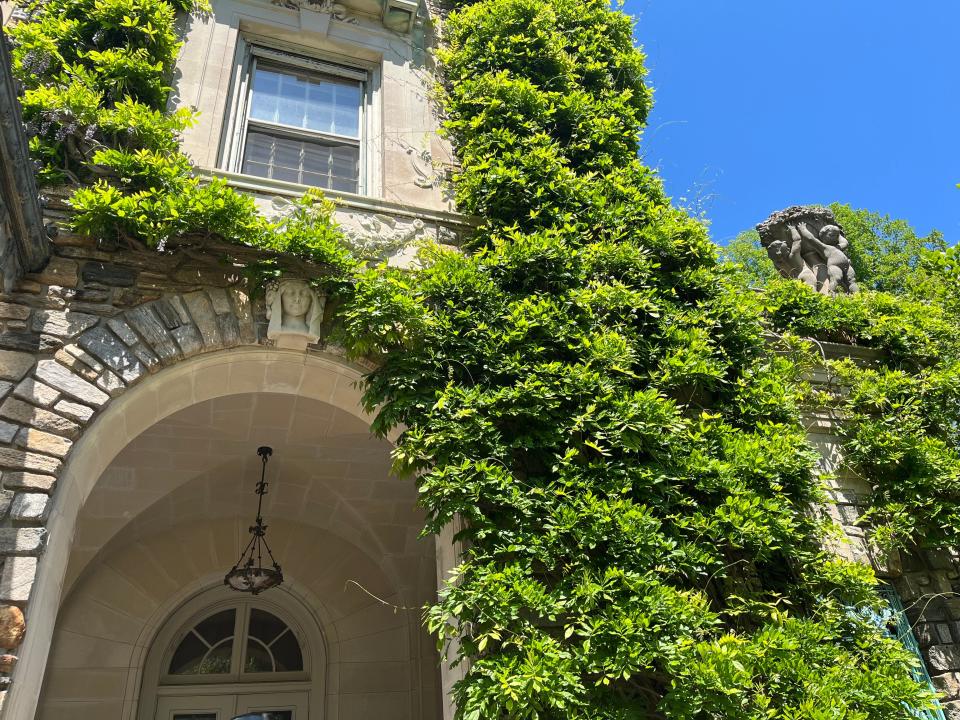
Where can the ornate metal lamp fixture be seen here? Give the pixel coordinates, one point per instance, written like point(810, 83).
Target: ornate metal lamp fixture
point(249, 574)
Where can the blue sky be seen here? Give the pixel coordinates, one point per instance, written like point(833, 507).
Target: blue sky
point(761, 104)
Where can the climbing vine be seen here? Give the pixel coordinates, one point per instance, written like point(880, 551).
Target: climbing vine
point(900, 412)
point(588, 390)
point(95, 75)
point(597, 400)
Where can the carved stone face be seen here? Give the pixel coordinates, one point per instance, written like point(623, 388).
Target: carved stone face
point(295, 299)
point(778, 249)
point(830, 234)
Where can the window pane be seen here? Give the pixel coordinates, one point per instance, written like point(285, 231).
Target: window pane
point(217, 627)
point(195, 716)
point(286, 653)
point(266, 94)
point(317, 163)
point(186, 660)
point(217, 660)
point(265, 627)
point(306, 100)
point(292, 101)
point(258, 658)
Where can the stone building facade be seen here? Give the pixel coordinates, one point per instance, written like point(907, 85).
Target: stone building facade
point(135, 388)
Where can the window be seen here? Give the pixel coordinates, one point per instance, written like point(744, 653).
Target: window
point(302, 121)
point(233, 642)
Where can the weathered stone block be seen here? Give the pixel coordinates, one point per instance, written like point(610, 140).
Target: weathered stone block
point(123, 331)
point(201, 310)
point(7, 431)
point(944, 658)
point(25, 341)
point(27, 414)
point(17, 578)
point(10, 311)
point(108, 274)
point(220, 301)
point(188, 338)
point(59, 271)
point(6, 499)
point(59, 377)
point(148, 325)
point(12, 626)
point(105, 346)
point(84, 357)
point(145, 355)
point(229, 330)
point(36, 392)
point(14, 365)
point(7, 662)
point(43, 442)
point(62, 323)
point(81, 369)
point(110, 383)
point(21, 541)
point(18, 459)
point(28, 481)
point(241, 302)
point(74, 410)
point(948, 684)
point(29, 508)
point(167, 314)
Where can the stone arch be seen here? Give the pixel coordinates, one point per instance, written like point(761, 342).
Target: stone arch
point(94, 383)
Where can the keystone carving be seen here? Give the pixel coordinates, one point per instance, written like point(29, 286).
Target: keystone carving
point(806, 243)
point(295, 314)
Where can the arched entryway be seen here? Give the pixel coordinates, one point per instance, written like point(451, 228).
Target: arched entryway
point(154, 507)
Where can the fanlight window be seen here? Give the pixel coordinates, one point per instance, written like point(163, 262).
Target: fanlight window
point(236, 641)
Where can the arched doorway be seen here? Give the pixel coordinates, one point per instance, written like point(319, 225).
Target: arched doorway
point(165, 501)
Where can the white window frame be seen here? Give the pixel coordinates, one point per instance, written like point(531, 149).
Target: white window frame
point(309, 684)
point(250, 48)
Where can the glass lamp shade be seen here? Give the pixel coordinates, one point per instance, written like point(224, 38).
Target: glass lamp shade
point(252, 579)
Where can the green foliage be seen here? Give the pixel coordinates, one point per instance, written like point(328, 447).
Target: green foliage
point(95, 74)
point(901, 413)
point(595, 397)
point(749, 259)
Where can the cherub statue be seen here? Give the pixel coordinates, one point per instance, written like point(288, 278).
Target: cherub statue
point(806, 243)
point(826, 255)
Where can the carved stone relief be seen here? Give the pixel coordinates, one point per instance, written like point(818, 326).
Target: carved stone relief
point(295, 314)
point(377, 236)
point(806, 243)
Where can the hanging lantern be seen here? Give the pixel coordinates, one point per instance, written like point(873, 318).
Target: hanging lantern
point(249, 574)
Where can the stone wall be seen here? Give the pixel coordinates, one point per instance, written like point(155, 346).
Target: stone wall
point(928, 582)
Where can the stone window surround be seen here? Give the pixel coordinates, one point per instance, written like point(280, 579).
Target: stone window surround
point(234, 128)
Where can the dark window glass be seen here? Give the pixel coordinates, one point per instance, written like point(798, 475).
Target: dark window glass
point(217, 627)
point(186, 660)
point(207, 648)
point(259, 658)
point(271, 647)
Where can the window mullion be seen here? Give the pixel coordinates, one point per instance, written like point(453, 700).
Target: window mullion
point(279, 128)
point(239, 640)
